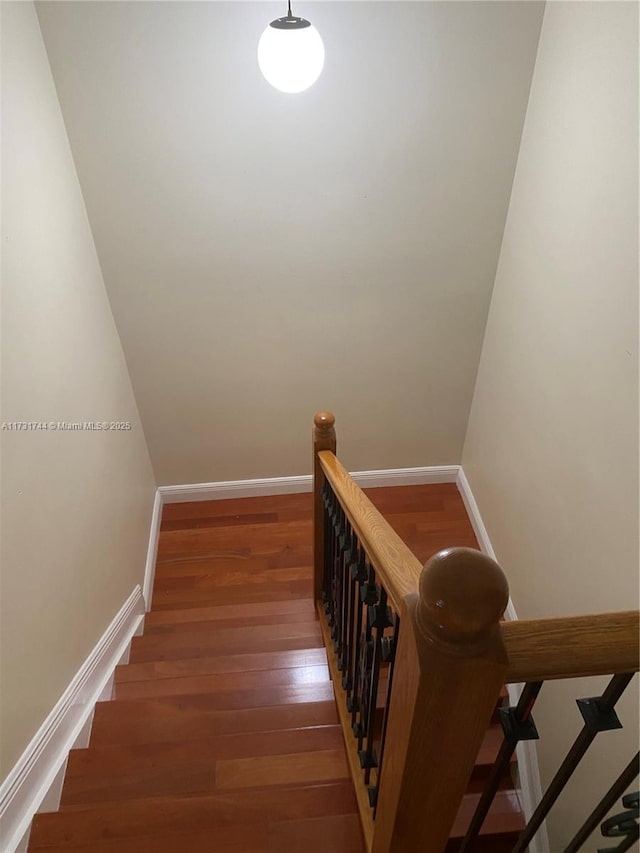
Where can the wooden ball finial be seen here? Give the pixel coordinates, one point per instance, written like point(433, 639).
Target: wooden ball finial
point(324, 420)
point(463, 594)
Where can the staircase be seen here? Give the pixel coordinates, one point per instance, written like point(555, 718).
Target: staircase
point(223, 733)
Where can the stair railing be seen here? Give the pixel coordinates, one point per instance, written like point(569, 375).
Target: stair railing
point(418, 657)
point(410, 635)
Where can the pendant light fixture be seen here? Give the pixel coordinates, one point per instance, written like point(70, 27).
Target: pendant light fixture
point(291, 53)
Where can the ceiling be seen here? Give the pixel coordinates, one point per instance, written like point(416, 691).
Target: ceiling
point(267, 255)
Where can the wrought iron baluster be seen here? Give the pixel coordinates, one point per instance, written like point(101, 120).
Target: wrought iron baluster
point(379, 617)
point(369, 597)
point(599, 715)
point(361, 574)
point(351, 591)
point(326, 569)
point(389, 646)
point(606, 803)
point(335, 579)
point(346, 551)
point(624, 825)
point(342, 534)
point(331, 557)
point(517, 724)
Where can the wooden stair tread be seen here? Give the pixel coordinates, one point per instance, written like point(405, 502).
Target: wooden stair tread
point(214, 641)
point(192, 717)
point(505, 815)
point(396, 500)
point(258, 682)
point(168, 599)
point(212, 632)
point(504, 842)
point(237, 576)
point(198, 522)
point(237, 700)
point(179, 767)
point(84, 824)
point(258, 558)
point(226, 624)
point(230, 611)
point(238, 838)
point(225, 617)
point(490, 747)
point(191, 541)
point(248, 662)
point(300, 502)
point(335, 833)
point(230, 520)
point(485, 759)
point(290, 769)
point(338, 833)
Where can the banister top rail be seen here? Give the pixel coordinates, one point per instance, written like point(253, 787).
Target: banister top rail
point(572, 646)
point(396, 565)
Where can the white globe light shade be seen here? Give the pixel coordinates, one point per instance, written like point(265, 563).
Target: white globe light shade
point(291, 60)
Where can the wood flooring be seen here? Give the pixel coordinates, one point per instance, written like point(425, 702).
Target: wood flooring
point(222, 735)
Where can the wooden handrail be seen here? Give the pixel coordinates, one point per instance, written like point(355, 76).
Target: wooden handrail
point(572, 646)
point(396, 565)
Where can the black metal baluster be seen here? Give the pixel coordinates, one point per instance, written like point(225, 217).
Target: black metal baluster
point(326, 569)
point(623, 825)
point(365, 664)
point(517, 724)
point(361, 573)
point(331, 601)
point(339, 517)
point(369, 596)
point(346, 546)
point(389, 646)
point(606, 803)
point(351, 586)
point(379, 618)
point(343, 529)
point(599, 716)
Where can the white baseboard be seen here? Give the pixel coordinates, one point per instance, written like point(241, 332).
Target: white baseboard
point(530, 787)
point(235, 489)
point(36, 777)
point(478, 528)
point(406, 476)
point(304, 483)
point(152, 550)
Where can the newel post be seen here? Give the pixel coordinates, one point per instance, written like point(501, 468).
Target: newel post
point(449, 670)
point(324, 438)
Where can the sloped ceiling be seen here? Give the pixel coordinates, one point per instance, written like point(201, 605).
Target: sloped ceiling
point(267, 255)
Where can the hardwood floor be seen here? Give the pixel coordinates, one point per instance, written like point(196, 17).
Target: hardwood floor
point(223, 733)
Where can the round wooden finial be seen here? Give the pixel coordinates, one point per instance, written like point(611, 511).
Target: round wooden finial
point(324, 420)
point(463, 594)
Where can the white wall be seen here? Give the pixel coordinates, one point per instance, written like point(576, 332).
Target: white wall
point(268, 255)
point(551, 451)
point(75, 505)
